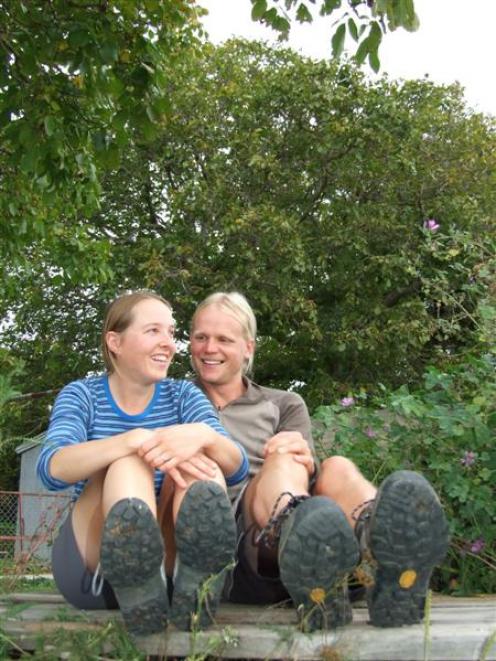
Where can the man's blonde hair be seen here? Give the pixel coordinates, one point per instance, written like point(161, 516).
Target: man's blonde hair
point(119, 315)
point(236, 305)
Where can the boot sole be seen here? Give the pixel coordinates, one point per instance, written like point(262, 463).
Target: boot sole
point(131, 559)
point(408, 538)
point(315, 555)
point(205, 541)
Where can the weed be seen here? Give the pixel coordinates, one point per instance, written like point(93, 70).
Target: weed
point(427, 625)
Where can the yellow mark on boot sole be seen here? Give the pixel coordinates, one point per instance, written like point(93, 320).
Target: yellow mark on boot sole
point(408, 578)
point(317, 595)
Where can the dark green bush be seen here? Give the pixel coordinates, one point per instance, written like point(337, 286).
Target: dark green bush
point(446, 430)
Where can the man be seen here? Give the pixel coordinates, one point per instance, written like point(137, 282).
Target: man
point(291, 543)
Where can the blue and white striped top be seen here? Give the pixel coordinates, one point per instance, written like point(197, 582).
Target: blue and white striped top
point(85, 410)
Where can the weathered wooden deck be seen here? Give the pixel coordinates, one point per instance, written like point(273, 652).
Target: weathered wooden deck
point(459, 629)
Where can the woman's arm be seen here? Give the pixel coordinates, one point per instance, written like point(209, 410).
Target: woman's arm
point(66, 455)
point(72, 463)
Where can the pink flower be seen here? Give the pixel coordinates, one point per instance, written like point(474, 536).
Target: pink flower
point(477, 546)
point(370, 433)
point(468, 458)
point(431, 225)
point(347, 401)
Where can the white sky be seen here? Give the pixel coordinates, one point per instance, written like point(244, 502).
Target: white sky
point(455, 42)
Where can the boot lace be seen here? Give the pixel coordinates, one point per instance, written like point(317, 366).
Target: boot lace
point(269, 535)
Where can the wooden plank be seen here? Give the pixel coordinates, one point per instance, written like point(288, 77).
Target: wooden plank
point(458, 630)
point(356, 642)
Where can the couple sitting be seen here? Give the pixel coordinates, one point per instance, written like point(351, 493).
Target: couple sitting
point(241, 480)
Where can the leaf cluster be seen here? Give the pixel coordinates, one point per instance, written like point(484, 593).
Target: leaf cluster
point(77, 78)
point(364, 21)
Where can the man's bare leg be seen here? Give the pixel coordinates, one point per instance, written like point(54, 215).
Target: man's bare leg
point(316, 547)
point(403, 535)
point(340, 480)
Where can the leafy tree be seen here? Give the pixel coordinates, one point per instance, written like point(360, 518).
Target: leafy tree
point(306, 188)
point(78, 79)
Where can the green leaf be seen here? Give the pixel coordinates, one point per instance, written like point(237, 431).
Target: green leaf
point(362, 51)
point(50, 125)
point(328, 6)
point(338, 39)
point(352, 29)
point(79, 37)
point(374, 61)
point(258, 10)
point(109, 52)
point(303, 15)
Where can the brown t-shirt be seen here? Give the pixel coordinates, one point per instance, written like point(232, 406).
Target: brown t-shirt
point(258, 415)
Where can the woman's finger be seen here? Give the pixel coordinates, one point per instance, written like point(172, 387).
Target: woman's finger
point(175, 475)
point(195, 471)
point(203, 464)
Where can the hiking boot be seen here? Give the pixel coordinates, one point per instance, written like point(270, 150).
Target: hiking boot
point(205, 541)
point(317, 550)
point(403, 535)
point(131, 559)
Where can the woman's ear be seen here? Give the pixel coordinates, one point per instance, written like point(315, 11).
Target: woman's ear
point(113, 341)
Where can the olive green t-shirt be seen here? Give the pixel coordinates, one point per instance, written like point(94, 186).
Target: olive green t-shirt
point(259, 414)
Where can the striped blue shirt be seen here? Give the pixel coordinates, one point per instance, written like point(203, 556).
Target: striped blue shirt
point(85, 410)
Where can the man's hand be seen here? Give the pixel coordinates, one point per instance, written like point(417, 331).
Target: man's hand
point(291, 442)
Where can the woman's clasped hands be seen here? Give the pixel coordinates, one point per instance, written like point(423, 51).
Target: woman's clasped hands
point(178, 450)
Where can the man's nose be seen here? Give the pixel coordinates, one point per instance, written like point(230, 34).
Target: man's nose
point(210, 345)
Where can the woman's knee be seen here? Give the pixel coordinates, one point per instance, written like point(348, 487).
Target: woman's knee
point(131, 462)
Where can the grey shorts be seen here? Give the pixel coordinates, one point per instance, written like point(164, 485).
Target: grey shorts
point(73, 579)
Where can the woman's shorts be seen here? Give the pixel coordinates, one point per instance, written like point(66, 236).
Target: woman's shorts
point(73, 579)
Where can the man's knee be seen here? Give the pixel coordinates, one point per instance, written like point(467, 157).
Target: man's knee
point(338, 466)
point(283, 463)
point(335, 474)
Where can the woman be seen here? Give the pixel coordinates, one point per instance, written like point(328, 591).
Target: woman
point(115, 437)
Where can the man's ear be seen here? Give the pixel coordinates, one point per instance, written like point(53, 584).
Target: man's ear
point(113, 341)
point(250, 346)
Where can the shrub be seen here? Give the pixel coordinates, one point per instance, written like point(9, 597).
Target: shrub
point(445, 429)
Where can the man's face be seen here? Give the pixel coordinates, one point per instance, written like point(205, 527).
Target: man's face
point(219, 349)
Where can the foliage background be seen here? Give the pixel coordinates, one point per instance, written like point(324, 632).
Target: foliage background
point(250, 168)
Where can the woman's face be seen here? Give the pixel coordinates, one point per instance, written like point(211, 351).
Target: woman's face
point(144, 351)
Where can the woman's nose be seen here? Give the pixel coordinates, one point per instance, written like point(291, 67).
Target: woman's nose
point(168, 340)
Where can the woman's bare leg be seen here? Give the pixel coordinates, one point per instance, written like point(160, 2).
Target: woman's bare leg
point(128, 477)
